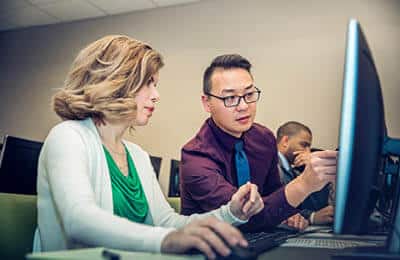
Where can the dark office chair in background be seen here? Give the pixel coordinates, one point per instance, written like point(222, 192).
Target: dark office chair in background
point(18, 165)
point(315, 149)
point(156, 162)
point(174, 190)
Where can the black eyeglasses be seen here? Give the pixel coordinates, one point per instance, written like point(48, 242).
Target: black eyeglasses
point(234, 101)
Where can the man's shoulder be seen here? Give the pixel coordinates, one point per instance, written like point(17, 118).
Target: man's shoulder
point(262, 132)
point(202, 141)
point(203, 149)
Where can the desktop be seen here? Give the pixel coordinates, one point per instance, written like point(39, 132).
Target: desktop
point(18, 165)
point(363, 145)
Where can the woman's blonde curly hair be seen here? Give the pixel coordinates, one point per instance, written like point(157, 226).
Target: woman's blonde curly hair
point(104, 78)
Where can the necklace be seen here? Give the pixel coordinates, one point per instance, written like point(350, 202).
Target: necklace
point(119, 159)
point(114, 151)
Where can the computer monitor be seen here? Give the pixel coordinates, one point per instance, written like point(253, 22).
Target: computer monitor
point(18, 165)
point(156, 163)
point(174, 187)
point(363, 143)
point(361, 136)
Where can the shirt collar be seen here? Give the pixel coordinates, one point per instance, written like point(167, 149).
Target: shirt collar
point(284, 162)
point(226, 140)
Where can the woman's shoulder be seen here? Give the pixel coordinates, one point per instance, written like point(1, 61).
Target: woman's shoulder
point(71, 126)
point(69, 130)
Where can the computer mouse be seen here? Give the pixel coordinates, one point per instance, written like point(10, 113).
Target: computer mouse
point(237, 253)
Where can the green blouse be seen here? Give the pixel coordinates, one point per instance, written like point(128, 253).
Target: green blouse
point(128, 196)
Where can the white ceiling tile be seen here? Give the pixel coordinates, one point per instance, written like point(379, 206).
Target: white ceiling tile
point(72, 10)
point(43, 2)
point(29, 16)
point(6, 5)
point(122, 6)
point(24, 13)
point(173, 2)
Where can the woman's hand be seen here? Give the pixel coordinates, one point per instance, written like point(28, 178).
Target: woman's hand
point(209, 235)
point(246, 202)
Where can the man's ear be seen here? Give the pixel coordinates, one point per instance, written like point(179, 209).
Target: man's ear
point(206, 104)
point(285, 141)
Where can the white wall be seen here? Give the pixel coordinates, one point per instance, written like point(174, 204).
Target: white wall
point(296, 47)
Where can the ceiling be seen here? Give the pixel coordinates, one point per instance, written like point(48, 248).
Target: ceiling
point(16, 14)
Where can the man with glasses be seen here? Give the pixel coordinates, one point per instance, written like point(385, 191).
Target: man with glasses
point(230, 150)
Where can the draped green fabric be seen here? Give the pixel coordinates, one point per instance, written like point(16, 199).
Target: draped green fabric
point(128, 195)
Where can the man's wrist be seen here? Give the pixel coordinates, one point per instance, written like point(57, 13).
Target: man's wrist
point(303, 185)
point(296, 191)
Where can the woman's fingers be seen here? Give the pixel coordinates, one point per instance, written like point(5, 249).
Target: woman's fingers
point(212, 239)
point(229, 233)
point(201, 245)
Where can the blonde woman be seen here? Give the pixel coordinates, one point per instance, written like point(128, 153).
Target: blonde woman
point(96, 189)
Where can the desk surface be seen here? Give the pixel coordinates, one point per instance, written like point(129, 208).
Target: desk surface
point(278, 253)
point(96, 254)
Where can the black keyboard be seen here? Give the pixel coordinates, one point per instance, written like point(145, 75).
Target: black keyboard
point(258, 243)
point(263, 241)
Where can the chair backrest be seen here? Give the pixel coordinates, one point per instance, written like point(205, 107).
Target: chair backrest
point(18, 165)
point(174, 190)
point(18, 220)
point(156, 162)
point(315, 149)
point(175, 203)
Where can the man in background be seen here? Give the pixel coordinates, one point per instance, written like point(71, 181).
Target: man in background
point(230, 150)
point(294, 143)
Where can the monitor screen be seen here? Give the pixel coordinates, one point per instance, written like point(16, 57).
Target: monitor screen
point(18, 165)
point(156, 163)
point(361, 135)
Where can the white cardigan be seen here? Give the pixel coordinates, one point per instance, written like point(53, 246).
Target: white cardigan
point(75, 206)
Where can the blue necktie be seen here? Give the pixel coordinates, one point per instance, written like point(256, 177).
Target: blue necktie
point(242, 164)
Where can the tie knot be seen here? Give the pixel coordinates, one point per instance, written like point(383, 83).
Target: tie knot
point(239, 146)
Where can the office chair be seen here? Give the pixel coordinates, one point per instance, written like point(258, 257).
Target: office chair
point(315, 149)
point(175, 203)
point(18, 165)
point(174, 190)
point(156, 162)
point(18, 223)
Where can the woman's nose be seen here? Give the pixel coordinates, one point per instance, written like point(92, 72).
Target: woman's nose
point(155, 96)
